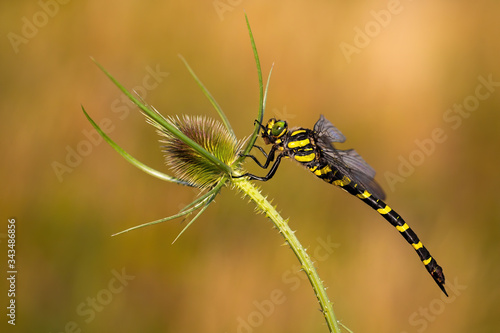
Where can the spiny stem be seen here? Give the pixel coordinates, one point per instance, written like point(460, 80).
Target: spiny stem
point(305, 260)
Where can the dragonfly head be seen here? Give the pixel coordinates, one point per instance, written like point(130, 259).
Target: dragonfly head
point(274, 130)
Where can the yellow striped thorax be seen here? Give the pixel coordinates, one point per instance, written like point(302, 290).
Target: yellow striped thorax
point(298, 143)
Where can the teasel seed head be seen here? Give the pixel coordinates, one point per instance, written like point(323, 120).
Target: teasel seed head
point(187, 163)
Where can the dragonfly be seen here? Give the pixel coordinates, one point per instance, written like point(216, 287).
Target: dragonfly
point(346, 169)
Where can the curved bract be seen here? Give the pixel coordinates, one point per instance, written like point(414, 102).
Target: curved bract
point(186, 163)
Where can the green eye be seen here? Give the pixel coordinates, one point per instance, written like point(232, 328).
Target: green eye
point(279, 128)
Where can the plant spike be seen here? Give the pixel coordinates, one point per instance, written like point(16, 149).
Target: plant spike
point(209, 201)
point(208, 197)
point(209, 96)
point(131, 159)
point(260, 114)
point(161, 121)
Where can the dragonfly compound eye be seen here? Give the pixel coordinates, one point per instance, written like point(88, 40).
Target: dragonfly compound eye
point(279, 128)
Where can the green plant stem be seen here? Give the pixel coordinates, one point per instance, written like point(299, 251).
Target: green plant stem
point(305, 260)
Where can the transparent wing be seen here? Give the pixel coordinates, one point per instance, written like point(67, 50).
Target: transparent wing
point(369, 184)
point(355, 162)
point(326, 132)
point(351, 164)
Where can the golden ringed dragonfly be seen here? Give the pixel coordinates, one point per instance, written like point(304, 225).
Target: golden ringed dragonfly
point(346, 169)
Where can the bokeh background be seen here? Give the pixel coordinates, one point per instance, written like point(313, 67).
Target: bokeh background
point(387, 73)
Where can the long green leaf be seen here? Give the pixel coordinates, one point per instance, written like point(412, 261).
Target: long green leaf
point(260, 114)
point(131, 159)
point(204, 200)
point(205, 206)
point(267, 87)
point(210, 97)
point(213, 191)
point(163, 122)
point(182, 213)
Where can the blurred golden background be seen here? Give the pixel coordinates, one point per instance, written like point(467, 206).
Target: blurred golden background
point(414, 86)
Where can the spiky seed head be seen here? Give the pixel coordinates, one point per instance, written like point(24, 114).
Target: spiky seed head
point(188, 164)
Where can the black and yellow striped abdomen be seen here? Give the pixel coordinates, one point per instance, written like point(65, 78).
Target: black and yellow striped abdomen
point(344, 168)
point(326, 173)
point(411, 237)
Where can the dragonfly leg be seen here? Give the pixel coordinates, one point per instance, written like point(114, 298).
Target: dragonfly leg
point(261, 150)
point(269, 157)
point(271, 172)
